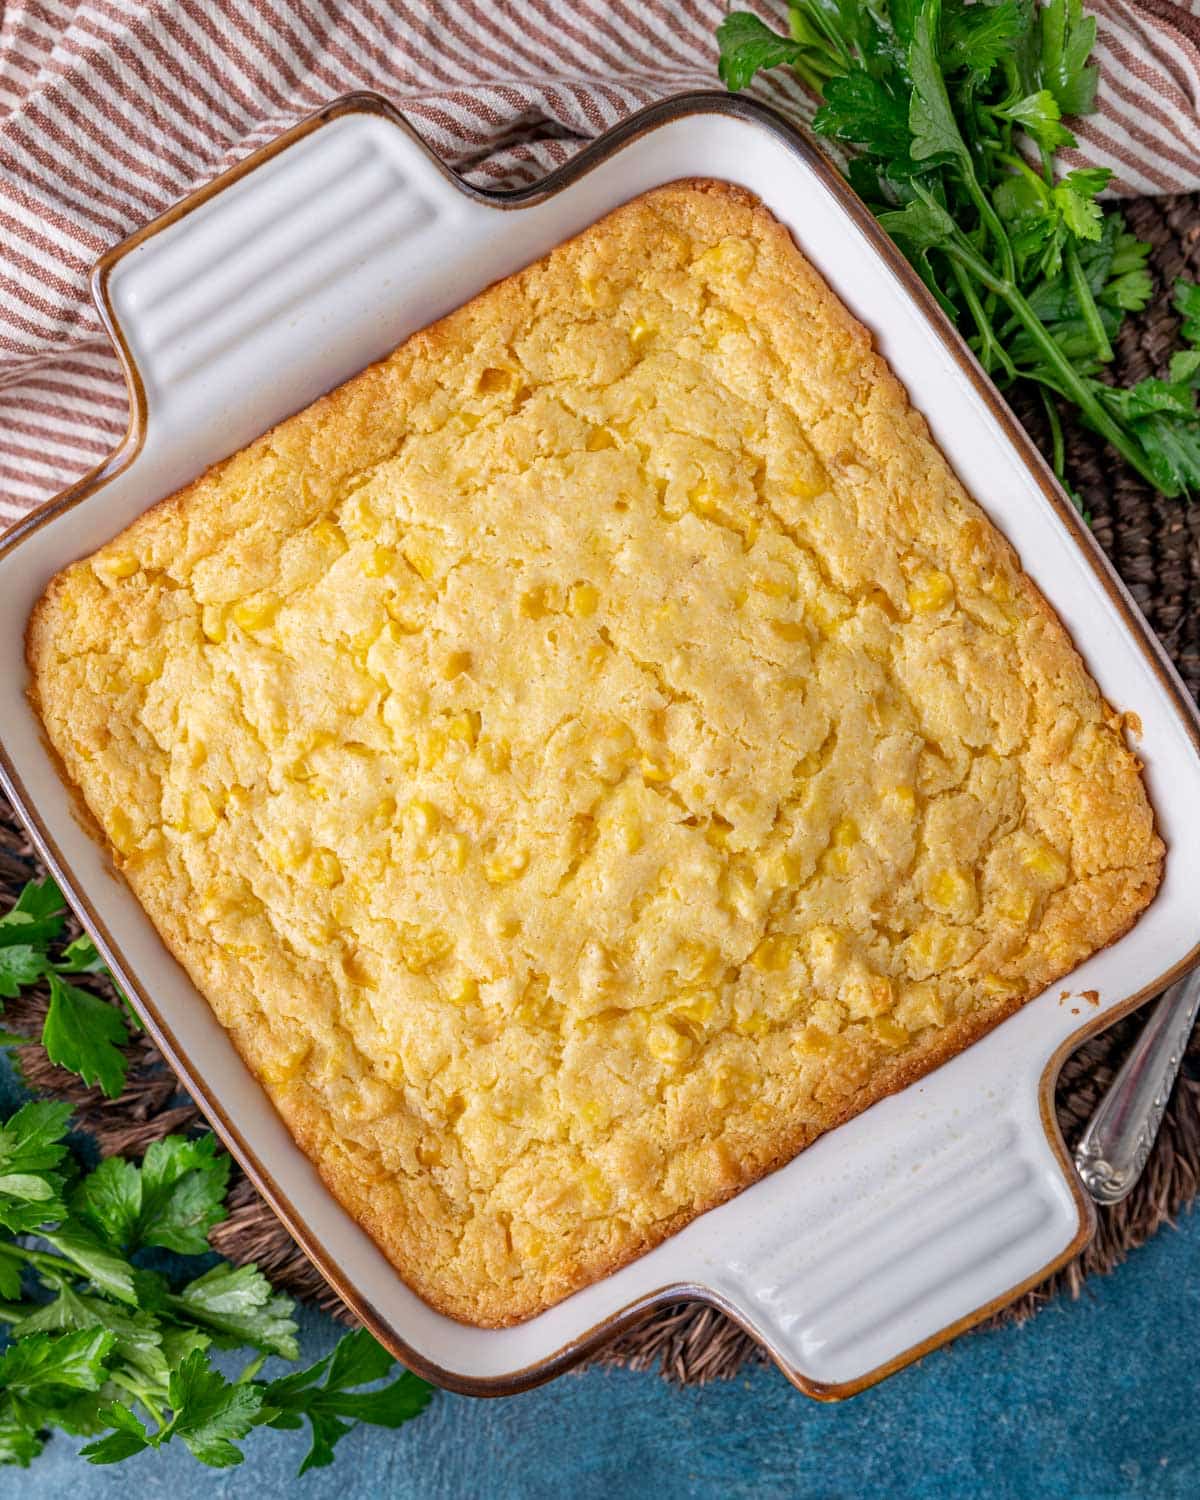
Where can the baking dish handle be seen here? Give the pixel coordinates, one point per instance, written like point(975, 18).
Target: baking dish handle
point(903, 1227)
point(262, 290)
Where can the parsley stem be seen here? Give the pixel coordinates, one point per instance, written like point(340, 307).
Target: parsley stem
point(991, 352)
point(1057, 446)
point(53, 1266)
point(140, 1393)
point(1087, 304)
point(1067, 379)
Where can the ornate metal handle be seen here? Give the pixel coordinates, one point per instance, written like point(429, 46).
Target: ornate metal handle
point(1113, 1149)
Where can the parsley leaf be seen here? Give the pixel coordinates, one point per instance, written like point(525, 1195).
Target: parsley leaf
point(21, 964)
point(31, 1151)
point(80, 957)
point(183, 1193)
point(1187, 305)
point(1068, 37)
point(862, 109)
point(332, 1406)
point(238, 1306)
point(85, 1034)
point(19, 1444)
point(747, 45)
point(70, 1361)
point(107, 1271)
point(979, 36)
point(127, 1438)
point(37, 918)
point(935, 132)
point(210, 1413)
point(1041, 117)
point(171, 1201)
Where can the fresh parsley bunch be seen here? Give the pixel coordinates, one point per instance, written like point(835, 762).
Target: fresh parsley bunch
point(954, 112)
point(102, 1345)
point(82, 1031)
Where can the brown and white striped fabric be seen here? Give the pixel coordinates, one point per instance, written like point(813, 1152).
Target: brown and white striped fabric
point(110, 110)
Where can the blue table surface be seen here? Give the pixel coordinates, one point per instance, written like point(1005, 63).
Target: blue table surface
point(1092, 1399)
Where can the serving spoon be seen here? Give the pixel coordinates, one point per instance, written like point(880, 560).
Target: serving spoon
point(1114, 1148)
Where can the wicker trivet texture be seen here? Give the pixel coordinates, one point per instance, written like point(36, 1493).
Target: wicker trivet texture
point(1155, 546)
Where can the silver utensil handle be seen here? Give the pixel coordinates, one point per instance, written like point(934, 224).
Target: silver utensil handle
point(1113, 1149)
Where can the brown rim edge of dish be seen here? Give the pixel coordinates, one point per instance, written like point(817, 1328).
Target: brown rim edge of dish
point(590, 156)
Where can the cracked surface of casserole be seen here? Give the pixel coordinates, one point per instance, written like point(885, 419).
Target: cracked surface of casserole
point(592, 752)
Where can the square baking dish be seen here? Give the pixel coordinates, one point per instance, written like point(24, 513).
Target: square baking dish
point(318, 255)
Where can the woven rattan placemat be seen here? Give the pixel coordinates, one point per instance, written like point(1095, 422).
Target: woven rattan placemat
point(1155, 545)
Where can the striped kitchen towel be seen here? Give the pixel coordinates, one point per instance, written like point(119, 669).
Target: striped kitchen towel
point(110, 110)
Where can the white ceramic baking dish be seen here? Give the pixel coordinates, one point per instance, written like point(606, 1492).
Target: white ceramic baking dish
point(318, 255)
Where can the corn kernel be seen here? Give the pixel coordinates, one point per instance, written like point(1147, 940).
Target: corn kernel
point(845, 834)
point(419, 560)
point(789, 630)
point(255, 614)
point(497, 755)
point(1045, 862)
point(813, 1041)
point(703, 499)
point(288, 855)
point(465, 727)
point(535, 603)
point(421, 949)
point(655, 769)
point(697, 961)
point(326, 867)
point(698, 1010)
point(631, 832)
point(119, 565)
point(212, 622)
point(901, 799)
point(755, 1024)
point(493, 380)
point(583, 600)
point(921, 1005)
point(733, 255)
point(1016, 905)
point(785, 869)
point(992, 984)
point(423, 817)
point(120, 832)
point(950, 890)
point(456, 663)
point(378, 562)
point(929, 591)
point(639, 333)
point(667, 1044)
point(506, 865)
point(596, 1189)
point(327, 533)
point(200, 814)
point(592, 1112)
point(146, 669)
point(460, 847)
point(598, 439)
point(463, 991)
point(774, 953)
point(934, 946)
point(889, 1032)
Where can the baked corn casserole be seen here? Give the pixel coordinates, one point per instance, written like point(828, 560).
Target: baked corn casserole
point(593, 752)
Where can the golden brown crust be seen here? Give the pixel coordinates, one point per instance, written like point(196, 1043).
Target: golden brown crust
point(593, 752)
